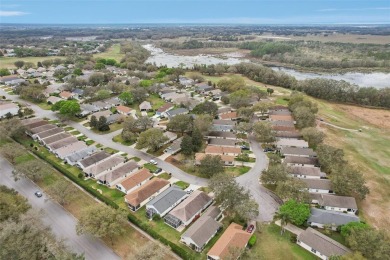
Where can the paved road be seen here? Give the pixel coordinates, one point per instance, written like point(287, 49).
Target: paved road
point(62, 223)
point(250, 180)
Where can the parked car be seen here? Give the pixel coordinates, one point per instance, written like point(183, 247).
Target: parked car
point(268, 149)
point(250, 228)
point(153, 162)
point(38, 194)
point(244, 147)
point(158, 170)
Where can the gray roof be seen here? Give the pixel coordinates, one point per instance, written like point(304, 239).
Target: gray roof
point(224, 110)
point(223, 122)
point(43, 128)
point(222, 142)
point(56, 138)
point(337, 201)
point(36, 124)
point(308, 171)
point(321, 184)
point(51, 132)
point(328, 217)
point(75, 157)
point(113, 118)
point(205, 227)
point(63, 142)
point(321, 243)
point(298, 151)
point(301, 160)
point(279, 112)
point(178, 111)
point(94, 158)
point(288, 134)
point(167, 198)
point(282, 123)
point(222, 134)
point(119, 172)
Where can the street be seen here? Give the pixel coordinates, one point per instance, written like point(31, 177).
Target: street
point(62, 223)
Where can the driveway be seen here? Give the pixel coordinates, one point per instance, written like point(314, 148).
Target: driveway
point(250, 180)
point(62, 223)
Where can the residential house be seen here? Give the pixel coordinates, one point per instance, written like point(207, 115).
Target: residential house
point(224, 110)
point(75, 157)
point(140, 196)
point(104, 166)
point(234, 238)
point(215, 93)
point(226, 150)
point(6, 79)
point(101, 105)
point(134, 181)
point(282, 142)
point(66, 95)
point(145, 106)
point(112, 102)
point(203, 230)
point(55, 138)
point(226, 159)
point(301, 161)
point(123, 110)
point(165, 201)
point(78, 93)
point(187, 102)
point(283, 128)
point(170, 135)
point(283, 123)
point(318, 185)
point(188, 210)
point(70, 149)
point(114, 176)
point(104, 113)
point(320, 245)
point(87, 109)
point(62, 143)
point(203, 88)
point(172, 96)
point(229, 116)
point(223, 125)
point(222, 142)
point(307, 172)
point(174, 112)
point(36, 123)
point(43, 135)
point(186, 82)
point(280, 112)
point(15, 82)
point(8, 108)
point(295, 151)
point(40, 129)
point(219, 134)
point(93, 159)
point(164, 108)
point(175, 147)
point(53, 99)
point(287, 117)
point(114, 118)
point(288, 134)
point(321, 218)
point(29, 121)
point(337, 203)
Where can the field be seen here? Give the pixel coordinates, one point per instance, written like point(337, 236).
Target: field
point(112, 53)
point(8, 62)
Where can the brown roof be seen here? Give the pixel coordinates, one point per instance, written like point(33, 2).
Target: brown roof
point(213, 149)
point(43, 128)
point(136, 178)
point(233, 237)
point(123, 109)
point(321, 184)
point(288, 134)
point(30, 121)
point(120, 172)
point(322, 243)
point(66, 94)
point(51, 132)
point(229, 115)
point(36, 124)
point(283, 128)
point(301, 160)
point(8, 105)
point(224, 158)
point(338, 201)
point(144, 192)
point(56, 138)
point(281, 117)
point(309, 171)
point(165, 107)
point(63, 142)
point(298, 151)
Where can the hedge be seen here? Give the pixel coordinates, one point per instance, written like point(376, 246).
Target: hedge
point(252, 241)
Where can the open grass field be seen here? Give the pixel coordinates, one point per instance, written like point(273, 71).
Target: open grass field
point(8, 62)
point(111, 53)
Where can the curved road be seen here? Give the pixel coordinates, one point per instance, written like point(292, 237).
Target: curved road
point(62, 223)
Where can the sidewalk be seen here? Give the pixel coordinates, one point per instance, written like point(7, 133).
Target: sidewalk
point(290, 227)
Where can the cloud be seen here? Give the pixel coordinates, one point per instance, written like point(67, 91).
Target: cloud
point(11, 13)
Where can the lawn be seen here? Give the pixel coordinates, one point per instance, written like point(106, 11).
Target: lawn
point(110, 150)
point(111, 53)
point(113, 127)
point(237, 171)
point(8, 62)
point(119, 139)
point(68, 128)
point(182, 184)
point(164, 176)
point(156, 101)
point(44, 105)
point(150, 167)
point(90, 142)
point(75, 133)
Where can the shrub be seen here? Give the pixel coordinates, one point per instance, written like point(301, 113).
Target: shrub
point(252, 241)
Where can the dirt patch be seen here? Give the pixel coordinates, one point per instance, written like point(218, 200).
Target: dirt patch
point(377, 117)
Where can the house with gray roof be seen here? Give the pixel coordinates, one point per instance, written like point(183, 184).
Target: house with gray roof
point(174, 112)
point(203, 230)
point(223, 125)
point(318, 185)
point(301, 161)
point(87, 109)
point(222, 142)
point(46, 134)
point(320, 245)
point(72, 148)
point(295, 151)
point(165, 201)
point(62, 143)
point(100, 168)
point(116, 175)
point(307, 172)
point(337, 203)
point(55, 138)
point(93, 159)
point(283, 123)
point(223, 135)
point(41, 129)
point(282, 142)
point(73, 158)
point(188, 210)
point(320, 218)
point(288, 134)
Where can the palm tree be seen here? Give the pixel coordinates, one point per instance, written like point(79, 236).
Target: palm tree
point(284, 220)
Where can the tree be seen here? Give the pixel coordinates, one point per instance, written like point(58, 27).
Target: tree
point(233, 197)
point(186, 145)
point(152, 138)
point(284, 218)
point(102, 124)
point(330, 158)
point(12, 128)
point(270, 91)
point(47, 63)
point(67, 107)
point(304, 117)
point(139, 94)
point(128, 136)
point(62, 191)
point(102, 94)
point(99, 66)
point(197, 139)
point(180, 123)
point(102, 221)
point(203, 123)
point(4, 72)
point(244, 127)
point(151, 251)
point(240, 98)
point(34, 170)
point(126, 98)
point(246, 113)
point(211, 165)
point(11, 151)
point(263, 107)
point(312, 136)
point(293, 188)
point(263, 132)
point(12, 204)
point(77, 72)
point(19, 63)
point(349, 181)
point(275, 174)
point(206, 107)
point(144, 123)
point(93, 122)
point(346, 229)
point(297, 212)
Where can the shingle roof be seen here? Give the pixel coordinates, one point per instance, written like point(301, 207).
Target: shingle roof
point(167, 198)
point(322, 243)
point(51, 132)
point(222, 142)
point(165, 107)
point(301, 160)
point(321, 184)
point(64, 151)
point(214, 149)
point(288, 134)
point(298, 151)
point(36, 124)
point(136, 178)
point(233, 237)
point(75, 157)
point(287, 117)
point(222, 134)
point(337, 201)
point(328, 217)
point(63, 142)
point(308, 171)
point(119, 172)
point(283, 128)
point(105, 165)
point(191, 206)
point(177, 111)
point(144, 192)
point(223, 122)
point(56, 138)
point(282, 123)
point(43, 128)
point(123, 109)
point(94, 158)
point(292, 143)
point(229, 115)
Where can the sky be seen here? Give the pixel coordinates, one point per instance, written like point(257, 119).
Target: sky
point(200, 11)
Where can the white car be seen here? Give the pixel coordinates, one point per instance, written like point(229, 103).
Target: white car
point(153, 162)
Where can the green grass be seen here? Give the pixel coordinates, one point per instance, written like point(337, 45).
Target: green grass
point(111, 53)
point(24, 158)
point(110, 150)
point(237, 171)
point(113, 127)
point(119, 139)
point(44, 105)
point(8, 62)
point(281, 101)
point(164, 176)
point(90, 142)
point(75, 133)
point(137, 159)
point(68, 128)
point(150, 167)
point(156, 101)
point(183, 185)
point(99, 146)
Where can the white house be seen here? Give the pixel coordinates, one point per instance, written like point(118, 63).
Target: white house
point(8, 108)
point(320, 218)
point(337, 203)
point(318, 185)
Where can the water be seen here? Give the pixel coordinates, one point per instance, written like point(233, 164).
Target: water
point(158, 56)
